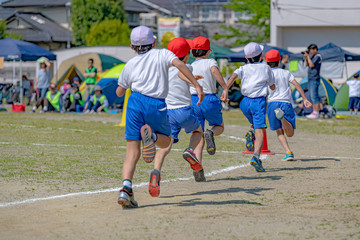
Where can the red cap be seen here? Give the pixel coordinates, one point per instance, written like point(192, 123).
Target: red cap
point(201, 43)
point(190, 42)
point(52, 86)
point(273, 56)
point(179, 46)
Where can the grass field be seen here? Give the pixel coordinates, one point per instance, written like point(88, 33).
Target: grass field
point(50, 154)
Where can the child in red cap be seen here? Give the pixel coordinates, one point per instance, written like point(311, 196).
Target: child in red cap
point(280, 111)
point(210, 108)
point(180, 111)
point(146, 118)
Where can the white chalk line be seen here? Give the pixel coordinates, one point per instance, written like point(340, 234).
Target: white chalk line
point(31, 200)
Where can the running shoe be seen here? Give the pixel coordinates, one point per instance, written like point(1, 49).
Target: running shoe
point(289, 157)
point(190, 157)
point(250, 138)
point(210, 142)
point(279, 113)
point(154, 184)
point(313, 115)
point(126, 199)
point(257, 164)
point(199, 176)
point(149, 150)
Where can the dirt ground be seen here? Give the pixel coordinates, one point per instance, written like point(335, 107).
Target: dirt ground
point(315, 197)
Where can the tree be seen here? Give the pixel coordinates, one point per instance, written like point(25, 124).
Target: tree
point(166, 38)
point(86, 13)
point(6, 34)
point(258, 22)
point(108, 32)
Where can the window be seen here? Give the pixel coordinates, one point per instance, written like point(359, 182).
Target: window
point(132, 18)
point(211, 13)
point(241, 15)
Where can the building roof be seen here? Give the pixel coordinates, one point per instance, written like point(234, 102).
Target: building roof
point(34, 3)
point(42, 28)
point(135, 6)
point(5, 13)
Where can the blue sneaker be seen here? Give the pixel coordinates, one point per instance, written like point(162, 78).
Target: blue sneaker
point(289, 157)
point(250, 138)
point(257, 164)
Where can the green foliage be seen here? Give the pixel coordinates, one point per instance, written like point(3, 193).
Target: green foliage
point(108, 32)
point(6, 34)
point(166, 38)
point(86, 13)
point(258, 23)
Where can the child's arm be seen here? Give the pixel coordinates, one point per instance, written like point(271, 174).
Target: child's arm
point(217, 75)
point(120, 91)
point(272, 87)
point(188, 74)
point(231, 80)
point(182, 77)
point(343, 83)
point(306, 102)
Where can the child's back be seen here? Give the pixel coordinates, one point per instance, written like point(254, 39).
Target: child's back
point(282, 92)
point(202, 67)
point(354, 88)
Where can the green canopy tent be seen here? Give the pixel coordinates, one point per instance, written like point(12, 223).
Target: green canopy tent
point(216, 50)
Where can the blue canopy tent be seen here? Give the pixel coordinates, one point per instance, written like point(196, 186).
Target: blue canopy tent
point(326, 89)
point(16, 50)
point(240, 56)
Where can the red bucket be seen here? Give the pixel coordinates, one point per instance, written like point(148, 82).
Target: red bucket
point(18, 107)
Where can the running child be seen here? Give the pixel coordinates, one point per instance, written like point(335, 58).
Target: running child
point(255, 79)
point(210, 108)
point(280, 111)
point(180, 111)
point(146, 117)
point(354, 93)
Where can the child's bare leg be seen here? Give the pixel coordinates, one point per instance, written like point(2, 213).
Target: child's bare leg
point(259, 139)
point(356, 111)
point(288, 128)
point(131, 158)
point(282, 139)
point(162, 140)
point(217, 130)
point(195, 138)
point(161, 154)
point(350, 111)
point(199, 148)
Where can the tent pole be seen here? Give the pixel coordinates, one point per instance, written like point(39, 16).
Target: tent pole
point(13, 78)
point(346, 71)
point(21, 84)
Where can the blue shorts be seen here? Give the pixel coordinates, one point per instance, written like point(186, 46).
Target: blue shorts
point(313, 86)
point(209, 110)
point(182, 118)
point(289, 114)
point(354, 103)
point(254, 110)
point(143, 110)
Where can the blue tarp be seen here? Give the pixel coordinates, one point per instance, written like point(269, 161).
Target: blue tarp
point(331, 53)
point(17, 50)
point(240, 56)
point(109, 86)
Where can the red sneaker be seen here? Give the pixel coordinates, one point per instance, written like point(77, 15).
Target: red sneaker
point(154, 184)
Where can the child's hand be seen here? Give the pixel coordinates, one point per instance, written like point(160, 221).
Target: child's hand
point(307, 104)
point(197, 77)
point(225, 96)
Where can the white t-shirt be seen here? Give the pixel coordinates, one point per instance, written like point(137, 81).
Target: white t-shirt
point(354, 88)
point(255, 78)
point(202, 67)
point(148, 73)
point(179, 91)
point(282, 92)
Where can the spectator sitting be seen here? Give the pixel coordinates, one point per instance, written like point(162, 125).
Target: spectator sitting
point(64, 88)
point(3, 90)
point(28, 88)
point(97, 102)
point(76, 81)
point(235, 94)
point(53, 100)
point(73, 100)
point(14, 93)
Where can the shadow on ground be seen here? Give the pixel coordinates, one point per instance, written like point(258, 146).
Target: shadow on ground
point(247, 178)
point(318, 159)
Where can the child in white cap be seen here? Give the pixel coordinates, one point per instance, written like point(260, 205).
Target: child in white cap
point(146, 117)
point(255, 79)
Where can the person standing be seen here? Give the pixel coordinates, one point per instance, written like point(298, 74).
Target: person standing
point(90, 74)
point(313, 61)
point(42, 82)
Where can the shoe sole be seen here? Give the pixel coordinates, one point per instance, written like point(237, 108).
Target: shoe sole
point(199, 177)
point(194, 163)
point(149, 150)
point(289, 159)
point(279, 112)
point(126, 204)
point(154, 188)
point(249, 141)
point(210, 143)
point(256, 166)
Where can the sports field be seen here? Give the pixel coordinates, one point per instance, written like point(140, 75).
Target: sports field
point(60, 175)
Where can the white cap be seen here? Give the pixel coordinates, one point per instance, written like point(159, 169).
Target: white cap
point(253, 49)
point(141, 36)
